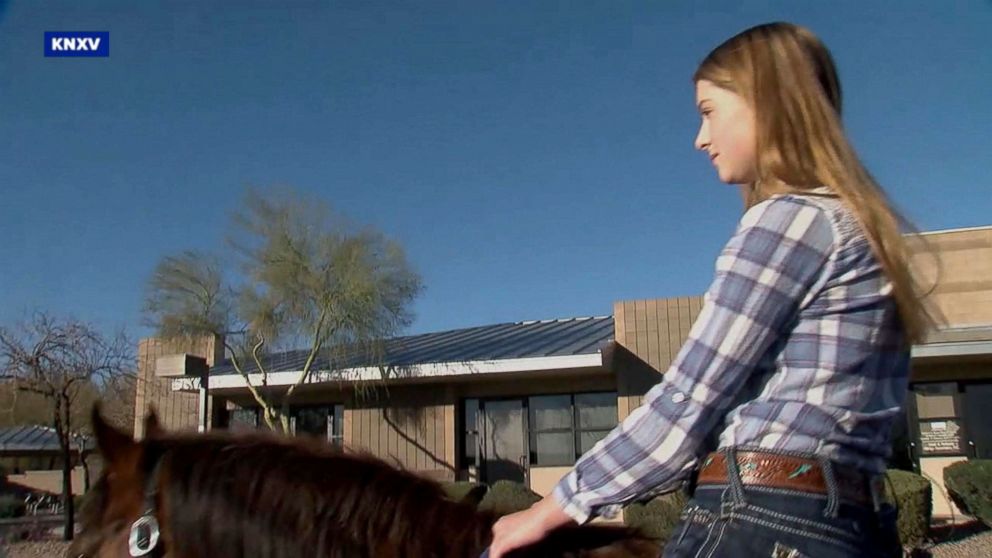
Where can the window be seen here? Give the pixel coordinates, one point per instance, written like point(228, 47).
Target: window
point(336, 428)
point(596, 415)
point(320, 421)
point(243, 419)
point(560, 428)
point(470, 437)
point(563, 427)
point(552, 439)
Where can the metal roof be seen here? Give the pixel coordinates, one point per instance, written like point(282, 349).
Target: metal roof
point(547, 338)
point(31, 438)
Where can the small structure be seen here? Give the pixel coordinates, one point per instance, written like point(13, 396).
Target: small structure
point(31, 459)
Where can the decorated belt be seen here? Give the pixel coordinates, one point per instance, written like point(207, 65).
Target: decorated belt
point(771, 470)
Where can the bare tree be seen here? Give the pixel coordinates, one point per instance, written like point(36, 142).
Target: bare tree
point(117, 399)
point(61, 360)
point(305, 277)
point(19, 408)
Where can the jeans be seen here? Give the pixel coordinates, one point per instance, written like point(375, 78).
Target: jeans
point(738, 521)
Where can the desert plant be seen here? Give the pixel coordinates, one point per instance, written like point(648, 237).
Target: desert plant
point(970, 486)
point(506, 497)
point(465, 491)
point(657, 517)
point(913, 496)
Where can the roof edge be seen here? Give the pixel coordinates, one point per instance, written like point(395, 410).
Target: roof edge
point(418, 371)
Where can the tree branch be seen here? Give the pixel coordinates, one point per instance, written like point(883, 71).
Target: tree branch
point(314, 350)
point(262, 402)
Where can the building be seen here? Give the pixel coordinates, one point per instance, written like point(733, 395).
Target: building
point(31, 460)
point(950, 412)
point(523, 400)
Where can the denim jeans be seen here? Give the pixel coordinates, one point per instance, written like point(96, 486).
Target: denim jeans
point(743, 521)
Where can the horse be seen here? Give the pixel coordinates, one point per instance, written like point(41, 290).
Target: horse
point(222, 494)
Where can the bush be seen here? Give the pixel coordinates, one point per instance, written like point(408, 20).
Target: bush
point(11, 506)
point(506, 497)
point(465, 491)
point(913, 495)
point(970, 486)
point(657, 517)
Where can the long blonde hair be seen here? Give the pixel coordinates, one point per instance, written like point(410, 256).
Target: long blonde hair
point(788, 77)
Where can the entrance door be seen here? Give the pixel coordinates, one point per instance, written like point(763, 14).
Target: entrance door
point(503, 443)
point(978, 419)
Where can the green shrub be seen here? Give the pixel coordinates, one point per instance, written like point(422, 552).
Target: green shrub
point(506, 497)
point(11, 506)
point(465, 491)
point(914, 496)
point(657, 517)
point(970, 486)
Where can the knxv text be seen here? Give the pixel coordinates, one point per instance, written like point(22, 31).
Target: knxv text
point(77, 43)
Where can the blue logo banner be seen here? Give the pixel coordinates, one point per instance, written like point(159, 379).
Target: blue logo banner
point(77, 43)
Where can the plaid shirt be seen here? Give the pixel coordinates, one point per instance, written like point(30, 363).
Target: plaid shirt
point(798, 347)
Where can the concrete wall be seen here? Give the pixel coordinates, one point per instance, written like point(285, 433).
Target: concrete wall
point(963, 290)
point(49, 481)
point(654, 331)
point(544, 479)
point(933, 469)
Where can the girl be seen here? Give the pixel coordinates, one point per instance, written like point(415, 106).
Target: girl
point(799, 360)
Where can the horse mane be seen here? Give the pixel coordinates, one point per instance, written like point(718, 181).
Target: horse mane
point(280, 497)
point(225, 495)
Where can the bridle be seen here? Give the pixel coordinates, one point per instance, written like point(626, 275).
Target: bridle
point(144, 535)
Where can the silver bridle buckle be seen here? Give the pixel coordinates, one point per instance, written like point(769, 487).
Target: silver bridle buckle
point(144, 536)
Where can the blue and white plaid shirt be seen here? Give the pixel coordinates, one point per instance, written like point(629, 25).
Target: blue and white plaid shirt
point(798, 347)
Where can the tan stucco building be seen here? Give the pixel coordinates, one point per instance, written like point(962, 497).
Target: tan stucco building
point(523, 400)
point(950, 412)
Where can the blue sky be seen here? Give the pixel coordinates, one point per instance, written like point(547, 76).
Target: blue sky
point(535, 158)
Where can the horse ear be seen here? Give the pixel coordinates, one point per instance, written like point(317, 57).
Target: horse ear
point(113, 443)
point(152, 426)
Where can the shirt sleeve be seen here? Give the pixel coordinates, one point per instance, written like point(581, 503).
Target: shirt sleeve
point(773, 264)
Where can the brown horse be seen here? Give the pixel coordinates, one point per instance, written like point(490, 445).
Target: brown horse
point(225, 495)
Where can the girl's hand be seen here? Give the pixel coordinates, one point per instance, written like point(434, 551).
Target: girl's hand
point(527, 527)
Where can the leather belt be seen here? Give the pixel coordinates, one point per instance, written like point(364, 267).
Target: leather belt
point(772, 470)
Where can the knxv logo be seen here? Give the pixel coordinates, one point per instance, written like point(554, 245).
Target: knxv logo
point(77, 43)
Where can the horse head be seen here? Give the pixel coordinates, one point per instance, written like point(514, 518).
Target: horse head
point(238, 495)
point(115, 515)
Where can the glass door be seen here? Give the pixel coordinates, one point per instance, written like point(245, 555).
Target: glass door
point(978, 420)
point(502, 440)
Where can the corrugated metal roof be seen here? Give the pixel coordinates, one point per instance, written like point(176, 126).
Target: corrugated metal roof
point(30, 438)
point(546, 338)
